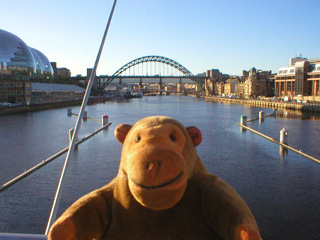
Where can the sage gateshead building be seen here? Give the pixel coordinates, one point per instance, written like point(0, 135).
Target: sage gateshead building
point(19, 66)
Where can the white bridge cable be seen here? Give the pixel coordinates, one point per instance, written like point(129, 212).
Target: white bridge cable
point(56, 201)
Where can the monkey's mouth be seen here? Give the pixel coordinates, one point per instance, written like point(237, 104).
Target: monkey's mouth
point(157, 186)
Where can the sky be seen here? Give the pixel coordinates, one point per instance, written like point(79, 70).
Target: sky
point(229, 35)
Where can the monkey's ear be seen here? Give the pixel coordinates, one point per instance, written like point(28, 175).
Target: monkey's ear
point(121, 132)
point(195, 135)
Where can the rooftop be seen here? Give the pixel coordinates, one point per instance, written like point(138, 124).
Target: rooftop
point(47, 87)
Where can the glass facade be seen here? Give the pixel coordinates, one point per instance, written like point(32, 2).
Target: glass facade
point(20, 62)
point(299, 83)
point(43, 66)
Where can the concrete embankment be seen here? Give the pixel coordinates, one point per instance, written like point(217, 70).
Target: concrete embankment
point(38, 107)
point(308, 107)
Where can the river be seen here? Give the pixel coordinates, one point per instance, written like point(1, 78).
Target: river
point(282, 191)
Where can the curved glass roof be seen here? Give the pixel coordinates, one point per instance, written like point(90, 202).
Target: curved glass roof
point(42, 62)
point(21, 61)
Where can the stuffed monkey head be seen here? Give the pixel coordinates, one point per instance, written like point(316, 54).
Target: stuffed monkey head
point(158, 157)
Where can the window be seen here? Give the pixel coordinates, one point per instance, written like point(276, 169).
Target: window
point(289, 86)
point(19, 92)
point(312, 67)
point(280, 72)
point(282, 86)
point(291, 70)
point(299, 83)
point(285, 71)
point(19, 84)
point(12, 85)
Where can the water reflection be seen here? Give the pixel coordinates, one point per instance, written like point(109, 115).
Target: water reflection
point(283, 151)
point(296, 114)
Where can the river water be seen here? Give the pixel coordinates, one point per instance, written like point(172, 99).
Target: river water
point(282, 191)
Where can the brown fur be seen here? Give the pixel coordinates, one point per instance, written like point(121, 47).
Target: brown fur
point(162, 191)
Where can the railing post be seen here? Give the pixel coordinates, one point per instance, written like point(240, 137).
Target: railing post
point(71, 131)
point(243, 121)
point(284, 135)
point(105, 119)
point(261, 116)
point(85, 116)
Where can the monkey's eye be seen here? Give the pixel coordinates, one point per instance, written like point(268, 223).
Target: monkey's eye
point(173, 138)
point(138, 138)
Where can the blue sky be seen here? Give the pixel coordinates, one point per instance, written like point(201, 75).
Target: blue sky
point(230, 35)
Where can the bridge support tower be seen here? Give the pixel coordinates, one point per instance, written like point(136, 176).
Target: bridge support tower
point(140, 83)
point(160, 87)
point(179, 86)
point(209, 86)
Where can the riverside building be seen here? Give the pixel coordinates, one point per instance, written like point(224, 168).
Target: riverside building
point(19, 66)
point(26, 75)
point(257, 83)
point(300, 79)
point(48, 93)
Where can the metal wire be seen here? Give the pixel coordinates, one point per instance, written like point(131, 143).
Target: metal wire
point(56, 201)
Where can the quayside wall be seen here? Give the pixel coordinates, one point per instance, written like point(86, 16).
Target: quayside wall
point(38, 107)
point(307, 107)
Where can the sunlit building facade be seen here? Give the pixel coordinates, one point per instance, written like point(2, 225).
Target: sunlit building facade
point(256, 83)
point(300, 78)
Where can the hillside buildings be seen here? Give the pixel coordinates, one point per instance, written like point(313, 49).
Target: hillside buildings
point(251, 84)
point(258, 83)
point(300, 79)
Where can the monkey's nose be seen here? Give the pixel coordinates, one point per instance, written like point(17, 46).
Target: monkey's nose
point(152, 165)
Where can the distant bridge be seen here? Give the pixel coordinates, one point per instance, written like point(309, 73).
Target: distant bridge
point(152, 69)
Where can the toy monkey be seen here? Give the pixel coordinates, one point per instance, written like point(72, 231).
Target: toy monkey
point(162, 191)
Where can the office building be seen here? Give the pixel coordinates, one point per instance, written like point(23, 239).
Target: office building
point(300, 78)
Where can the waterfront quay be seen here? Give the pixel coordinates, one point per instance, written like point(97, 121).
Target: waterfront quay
point(303, 106)
point(38, 107)
point(45, 106)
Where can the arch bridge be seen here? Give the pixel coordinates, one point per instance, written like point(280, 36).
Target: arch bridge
point(151, 68)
